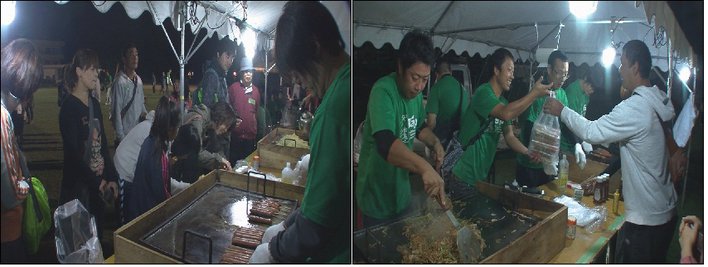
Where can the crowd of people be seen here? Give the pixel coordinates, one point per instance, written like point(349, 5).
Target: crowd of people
point(158, 150)
point(468, 127)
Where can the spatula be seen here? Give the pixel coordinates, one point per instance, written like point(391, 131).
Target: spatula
point(469, 250)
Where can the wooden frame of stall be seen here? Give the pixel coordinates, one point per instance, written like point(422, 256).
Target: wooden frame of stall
point(128, 248)
point(275, 156)
point(540, 243)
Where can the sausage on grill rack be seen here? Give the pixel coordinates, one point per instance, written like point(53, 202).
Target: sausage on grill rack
point(259, 219)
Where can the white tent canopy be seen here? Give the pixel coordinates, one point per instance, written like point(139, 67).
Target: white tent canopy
point(262, 16)
point(226, 18)
point(482, 27)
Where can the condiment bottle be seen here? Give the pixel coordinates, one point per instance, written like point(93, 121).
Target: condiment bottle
point(615, 204)
point(286, 174)
point(256, 162)
point(597, 195)
point(606, 187)
point(570, 232)
point(563, 173)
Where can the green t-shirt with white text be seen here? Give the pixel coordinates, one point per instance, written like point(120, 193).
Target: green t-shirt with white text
point(478, 158)
point(382, 190)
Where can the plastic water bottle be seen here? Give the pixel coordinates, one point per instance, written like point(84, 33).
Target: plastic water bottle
point(286, 175)
point(563, 173)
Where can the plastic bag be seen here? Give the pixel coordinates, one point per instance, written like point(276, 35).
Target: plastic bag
point(545, 138)
point(589, 218)
point(75, 235)
point(356, 145)
point(35, 227)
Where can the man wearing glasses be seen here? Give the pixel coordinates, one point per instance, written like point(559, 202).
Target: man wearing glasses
point(530, 173)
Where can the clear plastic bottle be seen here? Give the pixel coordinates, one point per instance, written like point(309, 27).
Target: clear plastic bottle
point(286, 174)
point(563, 174)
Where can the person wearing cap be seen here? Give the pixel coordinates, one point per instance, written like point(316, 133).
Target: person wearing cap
point(245, 98)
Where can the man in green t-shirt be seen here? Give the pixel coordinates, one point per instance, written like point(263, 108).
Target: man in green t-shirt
point(447, 102)
point(579, 93)
point(533, 174)
point(319, 231)
point(394, 118)
point(488, 104)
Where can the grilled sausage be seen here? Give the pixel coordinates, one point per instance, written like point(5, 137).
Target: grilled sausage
point(258, 219)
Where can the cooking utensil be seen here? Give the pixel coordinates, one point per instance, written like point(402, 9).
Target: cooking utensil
point(467, 248)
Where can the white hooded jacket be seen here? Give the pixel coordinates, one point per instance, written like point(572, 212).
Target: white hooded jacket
point(650, 198)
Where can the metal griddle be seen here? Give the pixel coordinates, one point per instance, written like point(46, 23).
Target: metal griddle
point(207, 224)
point(500, 225)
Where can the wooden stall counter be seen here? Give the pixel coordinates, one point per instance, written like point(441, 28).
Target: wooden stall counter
point(587, 247)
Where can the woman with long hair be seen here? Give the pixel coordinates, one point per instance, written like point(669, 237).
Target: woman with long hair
point(21, 72)
point(89, 173)
point(151, 182)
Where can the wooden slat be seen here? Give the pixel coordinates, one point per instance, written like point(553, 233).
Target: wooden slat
point(543, 241)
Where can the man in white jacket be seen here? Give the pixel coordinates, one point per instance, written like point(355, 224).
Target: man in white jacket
point(636, 123)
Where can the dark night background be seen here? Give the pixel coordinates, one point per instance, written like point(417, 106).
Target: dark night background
point(80, 25)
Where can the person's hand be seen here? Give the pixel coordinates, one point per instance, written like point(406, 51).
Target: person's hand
point(550, 169)
point(100, 167)
point(261, 255)
point(677, 163)
point(106, 185)
point(224, 164)
point(434, 186)
point(271, 232)
point(580, 156)
point(553, 107)
point(587, 147)
point(539, 89)
point(534, 157)
point(438, 154)
point(688, 234)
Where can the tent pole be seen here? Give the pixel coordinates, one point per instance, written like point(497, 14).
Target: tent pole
point(182, 62)
point(688, 150)
point(266, 70)
point(670, 83)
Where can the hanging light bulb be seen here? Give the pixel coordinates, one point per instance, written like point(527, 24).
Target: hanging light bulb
point(684, 74)
point(249, 42)
point(8, 12)
point(582, 9)
point(608, 56)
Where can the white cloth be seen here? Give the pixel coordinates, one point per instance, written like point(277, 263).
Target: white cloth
point(126, 156)
point(271, 232)
point(684, 123)
point(261, 255)
point(122, 93)
point(580, 156)
point(648, 191)
point(177, 186)
point(587, 147)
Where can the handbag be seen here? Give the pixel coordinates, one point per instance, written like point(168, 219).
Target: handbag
point(454, 150)
point(36, 220)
